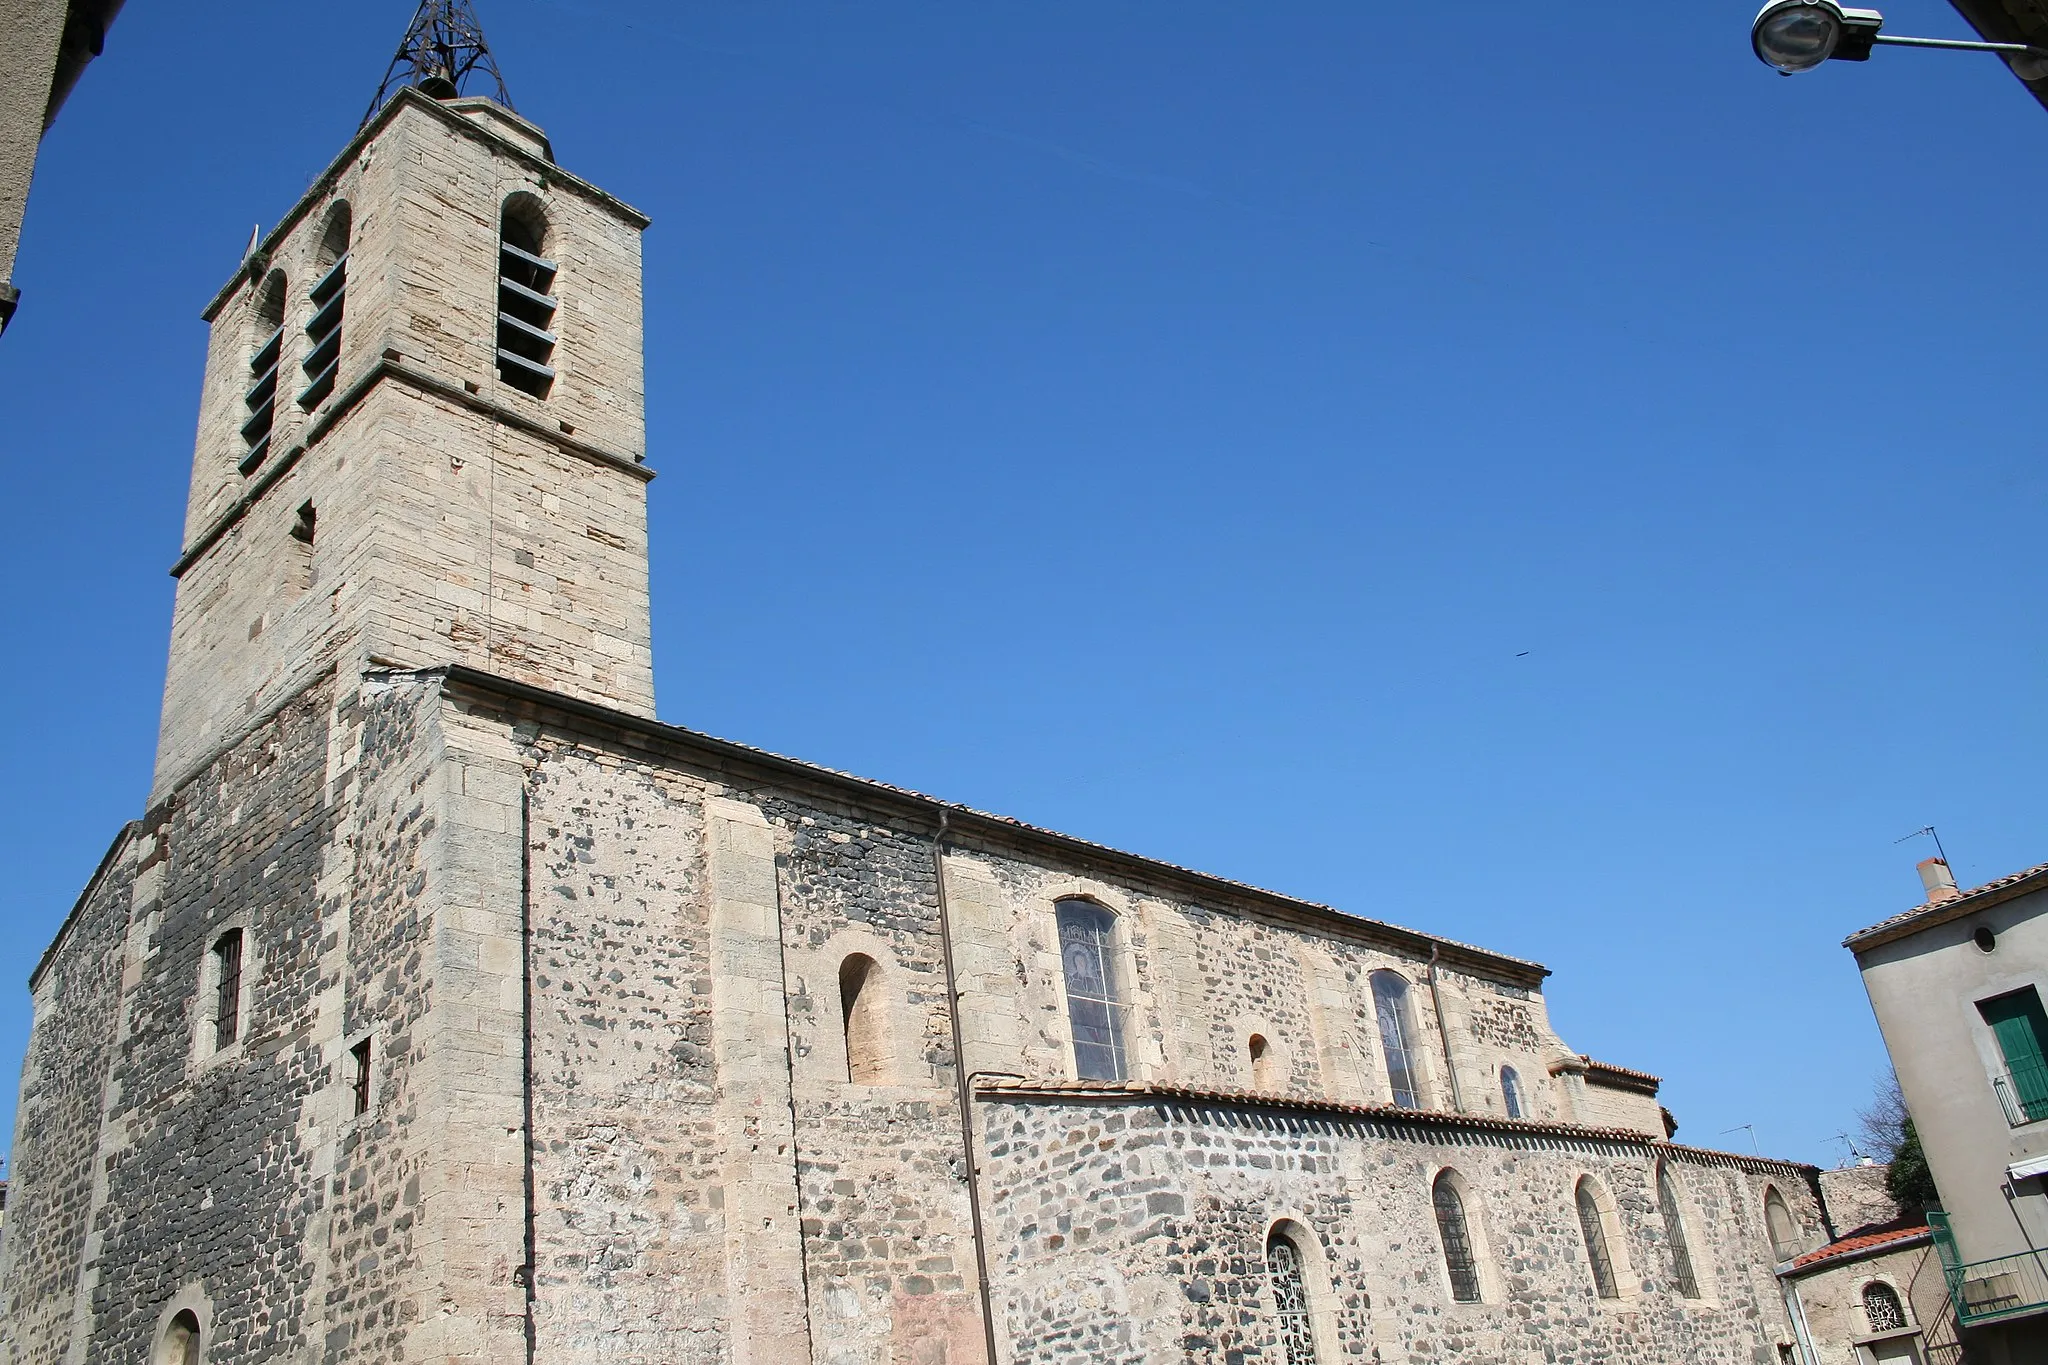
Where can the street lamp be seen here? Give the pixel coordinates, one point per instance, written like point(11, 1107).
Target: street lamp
point(1798, 35)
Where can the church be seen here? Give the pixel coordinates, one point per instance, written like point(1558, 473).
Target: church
point(445, 1005)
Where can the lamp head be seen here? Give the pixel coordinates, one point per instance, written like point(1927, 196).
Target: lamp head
point(1798, 35)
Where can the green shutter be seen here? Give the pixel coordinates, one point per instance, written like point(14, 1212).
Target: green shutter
point(2022, 1030)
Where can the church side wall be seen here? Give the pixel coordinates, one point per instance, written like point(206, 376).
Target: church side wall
point(57, 1126)
point(1136, 1232)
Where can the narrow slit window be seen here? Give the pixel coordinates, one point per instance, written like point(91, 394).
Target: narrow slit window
point(260, 399)
point(860, 1010)
point(1095, 1008)
point(180, 1344)
point(227, 991)
point(329, 299)
point(1778, 1225)
point(1290, 1299)
point(1511, 1092)
point(1397, 1028)
point(359, 1077)
point(1459, 1261)
point(303, 528)
point(526, 302)
point(1593, 1227)
point(1263, 1068)
point(1682, 1277)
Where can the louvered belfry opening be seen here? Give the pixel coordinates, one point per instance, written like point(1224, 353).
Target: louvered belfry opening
point(261, 397)
point(526, 303)
point(329, 297)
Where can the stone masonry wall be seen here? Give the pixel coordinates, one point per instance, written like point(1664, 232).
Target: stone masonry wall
point(1135, 1231)
point(57, 1126)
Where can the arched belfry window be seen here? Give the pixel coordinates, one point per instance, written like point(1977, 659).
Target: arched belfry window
point(1682, 1277)
point(526, 302)
point(1511, 1092)
point(1593, 1227)
point(1460, 1261)
point(180, 1344)
point(1393, 1010)
point(861, 1010)
point(1778, 1224)
point(260, 398)
point(329, 299)
point(1286, 1264)
point(1881, 1306)
point(1095, 1005)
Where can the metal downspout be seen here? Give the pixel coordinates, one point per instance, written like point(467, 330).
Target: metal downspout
point(1443, 1033)
point(965, 1093)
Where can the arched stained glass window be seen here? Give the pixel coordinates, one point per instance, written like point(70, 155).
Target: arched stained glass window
point(1457, 1239)
point(1784, 1233)
point(1290, 1299)
point(1682, 1278)
point(1397, 1029)
point(1881, 1305)
point(1593, 1227)
point(1095, 1007)
point(1511, 1091)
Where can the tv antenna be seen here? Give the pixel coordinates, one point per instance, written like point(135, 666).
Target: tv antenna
point(1748, 1128)
point(1927, 830)
point(441, 50)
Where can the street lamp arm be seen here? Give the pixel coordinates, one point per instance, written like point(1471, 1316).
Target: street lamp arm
point(1958, 44)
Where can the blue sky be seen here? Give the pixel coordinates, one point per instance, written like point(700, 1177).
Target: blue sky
point(1173, 423)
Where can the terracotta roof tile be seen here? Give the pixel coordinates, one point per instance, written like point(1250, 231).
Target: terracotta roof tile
point(1935, 911)
point(1864, 1242)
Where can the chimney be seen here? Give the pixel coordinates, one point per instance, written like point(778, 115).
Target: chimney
point(1939, 881)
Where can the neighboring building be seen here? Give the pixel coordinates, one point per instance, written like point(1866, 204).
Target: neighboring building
point(2014, 21)
point(1956, 984)
point(444, 1005)
point(44, 46)
point(1875, 1295)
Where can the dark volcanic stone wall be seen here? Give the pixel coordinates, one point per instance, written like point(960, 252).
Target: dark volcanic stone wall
point(57, 1127)
point(207, 1182)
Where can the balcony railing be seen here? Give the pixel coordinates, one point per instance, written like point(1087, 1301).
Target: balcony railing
point(1986, 1291)
point(2023, 1093)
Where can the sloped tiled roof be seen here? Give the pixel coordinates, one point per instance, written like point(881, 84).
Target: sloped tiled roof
point(1930, 913)
point(1866, 1241)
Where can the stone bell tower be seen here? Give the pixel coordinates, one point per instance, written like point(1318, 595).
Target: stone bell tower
point(421, 436)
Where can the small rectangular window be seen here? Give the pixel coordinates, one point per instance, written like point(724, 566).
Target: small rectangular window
point(359, 1062)
point(227, 999)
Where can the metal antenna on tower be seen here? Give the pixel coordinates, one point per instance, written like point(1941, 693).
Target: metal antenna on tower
point(441, 49)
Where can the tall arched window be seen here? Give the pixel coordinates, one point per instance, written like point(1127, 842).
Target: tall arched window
point(1682, 1278)
point(1285, 1263)
point(1882, 1307)
point(1593, 1227)
point(329, 297)
point(1511, 1091)
point(861, 1010)
point(1095, 1006)
point(260, 399)
point(180, 1344)
point(1390, 1001)
point(526, 303)
point(1784, 1233)
point(1459, 1260)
